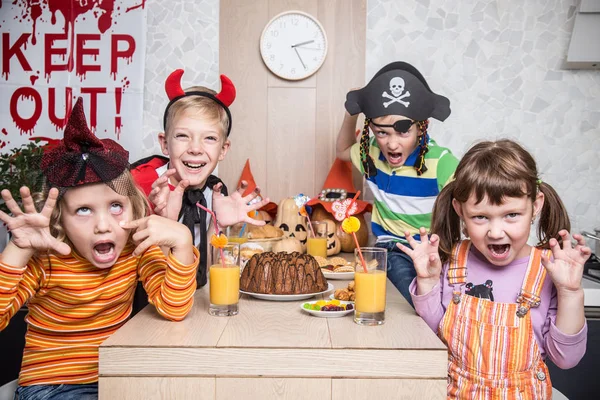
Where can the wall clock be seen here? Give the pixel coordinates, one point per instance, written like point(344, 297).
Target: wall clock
point(293, 45)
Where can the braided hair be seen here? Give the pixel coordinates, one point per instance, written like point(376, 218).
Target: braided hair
point(366, 160)
point(423, 147)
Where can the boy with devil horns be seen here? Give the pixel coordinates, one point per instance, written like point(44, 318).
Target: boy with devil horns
point(197, 124)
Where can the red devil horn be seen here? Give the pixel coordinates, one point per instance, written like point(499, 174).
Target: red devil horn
point(227, 93)
point(173, 84)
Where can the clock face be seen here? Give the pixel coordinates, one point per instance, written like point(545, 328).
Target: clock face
point(293, 45)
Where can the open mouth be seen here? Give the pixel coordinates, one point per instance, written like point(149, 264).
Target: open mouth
point(395, 158)
point(104, 252)
point(499, 251)
point(193, 165)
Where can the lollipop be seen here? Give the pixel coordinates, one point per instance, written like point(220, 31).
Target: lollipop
point(343, 211)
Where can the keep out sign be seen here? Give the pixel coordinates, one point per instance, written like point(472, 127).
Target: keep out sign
point(53, 51)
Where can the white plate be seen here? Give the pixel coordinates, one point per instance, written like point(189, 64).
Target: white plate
point(287, 297)
point(332, 297)
point(327, 314)
point(337, 275)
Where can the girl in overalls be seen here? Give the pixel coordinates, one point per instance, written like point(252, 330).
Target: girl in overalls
point(500, 305)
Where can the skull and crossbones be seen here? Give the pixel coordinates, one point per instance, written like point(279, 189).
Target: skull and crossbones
point(396, 88)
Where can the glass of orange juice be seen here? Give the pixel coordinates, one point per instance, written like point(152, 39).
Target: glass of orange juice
point(316, 244)
point(369, 305)
point(238, 233)
point(224, 281)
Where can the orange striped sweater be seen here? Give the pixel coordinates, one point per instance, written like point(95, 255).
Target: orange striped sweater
point(74, 306)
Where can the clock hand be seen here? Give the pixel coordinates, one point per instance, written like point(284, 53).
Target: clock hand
point(298, 54)
point(303, 43)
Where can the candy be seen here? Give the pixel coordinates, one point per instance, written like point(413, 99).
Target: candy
point(351, 225)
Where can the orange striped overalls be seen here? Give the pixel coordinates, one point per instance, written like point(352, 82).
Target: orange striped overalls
point(492, 351)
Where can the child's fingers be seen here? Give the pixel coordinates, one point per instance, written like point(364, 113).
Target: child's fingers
point(181, 186)
point(27, 200)
point(242, 188)
point(5, 217)
point(433, 259)
point(217, 188)
point(258, 205)
point(251, 196)
point(405, 249)
point(411, 240)
point(140, 235)
point(160, 208)
point(134, 224)
point(61, 248)
point(142, 247)
point(50, 203)
point(11, 204)
point(547, 263)
point(566, 239)
point(434, 240)
point(252, 221)
point(164, 178)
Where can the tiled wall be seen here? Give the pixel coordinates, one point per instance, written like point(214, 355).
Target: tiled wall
point(499, 62)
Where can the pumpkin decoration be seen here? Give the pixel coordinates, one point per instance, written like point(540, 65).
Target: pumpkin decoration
point(333, 241)
point(347, 244)
point(291, 222)
point(287, 245)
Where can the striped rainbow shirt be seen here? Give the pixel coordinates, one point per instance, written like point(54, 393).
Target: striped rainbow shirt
point(74, 306)
point(404, 200)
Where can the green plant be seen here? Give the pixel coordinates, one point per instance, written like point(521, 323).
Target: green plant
point(21, 167)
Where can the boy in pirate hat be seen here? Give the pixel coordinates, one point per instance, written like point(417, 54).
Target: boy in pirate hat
point(404, 168)
point(197, 124)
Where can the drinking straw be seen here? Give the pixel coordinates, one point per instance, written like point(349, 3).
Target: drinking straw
point(216, 229)
point(362, 260)
point(245, 223)
point(305, 213)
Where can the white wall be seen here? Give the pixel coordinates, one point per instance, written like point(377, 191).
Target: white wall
point(498, 61)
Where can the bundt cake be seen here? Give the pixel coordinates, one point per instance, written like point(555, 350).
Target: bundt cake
point(282, 273)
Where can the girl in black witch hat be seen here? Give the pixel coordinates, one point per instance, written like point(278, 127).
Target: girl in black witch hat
point(76, 262)
point(404, 168)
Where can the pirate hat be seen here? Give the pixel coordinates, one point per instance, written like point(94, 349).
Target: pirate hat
point(338, 186)
point(80, 157)
point(247, 176)
point(398, 89)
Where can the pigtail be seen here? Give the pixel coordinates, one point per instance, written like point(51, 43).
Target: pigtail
point(553, 217)
point(445, 222)
point(423, 147)
point(366, 160)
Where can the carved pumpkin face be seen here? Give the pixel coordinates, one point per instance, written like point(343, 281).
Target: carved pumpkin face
point(333, 242)
point(291, 222)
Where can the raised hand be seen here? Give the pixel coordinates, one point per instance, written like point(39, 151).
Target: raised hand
point(234, 208)
point(566, 269)
point(162, 232)
point(426, 259)
point(30, 230)
point(167, 202)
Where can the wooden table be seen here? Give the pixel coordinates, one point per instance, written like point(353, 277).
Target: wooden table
point(274, 350)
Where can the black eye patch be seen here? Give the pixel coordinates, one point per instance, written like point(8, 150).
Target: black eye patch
point(402, 125)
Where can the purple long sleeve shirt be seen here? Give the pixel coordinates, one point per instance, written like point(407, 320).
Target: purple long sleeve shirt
point(502, 284)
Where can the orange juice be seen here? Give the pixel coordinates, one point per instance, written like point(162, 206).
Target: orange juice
point(370, 291)
point(224, 284)
point(237, 239)
point(317, 247)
